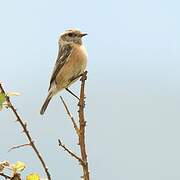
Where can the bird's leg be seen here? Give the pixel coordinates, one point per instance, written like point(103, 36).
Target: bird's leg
point(72, 93)
point(72, 79)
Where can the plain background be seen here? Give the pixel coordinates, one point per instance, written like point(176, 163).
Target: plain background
point(133, 90)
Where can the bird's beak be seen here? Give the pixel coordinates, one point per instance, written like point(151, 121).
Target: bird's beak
point(83, 34)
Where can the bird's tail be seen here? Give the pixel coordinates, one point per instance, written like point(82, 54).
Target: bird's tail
point(44, 107)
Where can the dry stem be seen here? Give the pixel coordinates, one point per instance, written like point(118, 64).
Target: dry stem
point(82, 124)
point(80, 131)
point(26, 131)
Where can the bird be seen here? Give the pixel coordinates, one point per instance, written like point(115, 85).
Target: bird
point(70, 64)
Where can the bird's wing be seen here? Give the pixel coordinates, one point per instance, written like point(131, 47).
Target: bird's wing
point(63, 54)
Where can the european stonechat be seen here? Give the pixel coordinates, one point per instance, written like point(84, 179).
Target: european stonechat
point(70, 64)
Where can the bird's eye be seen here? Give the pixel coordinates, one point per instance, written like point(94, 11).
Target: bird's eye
point(70, 34)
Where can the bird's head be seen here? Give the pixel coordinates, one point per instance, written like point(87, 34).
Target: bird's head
point(72, 36)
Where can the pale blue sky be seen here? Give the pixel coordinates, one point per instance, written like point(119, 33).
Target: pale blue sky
point(133, 90)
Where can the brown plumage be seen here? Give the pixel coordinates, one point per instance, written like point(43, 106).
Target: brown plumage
point(70, 64)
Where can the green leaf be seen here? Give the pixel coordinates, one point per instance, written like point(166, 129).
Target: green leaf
point(2, 100)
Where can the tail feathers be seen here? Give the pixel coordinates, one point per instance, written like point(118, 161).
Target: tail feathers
point(44, 107)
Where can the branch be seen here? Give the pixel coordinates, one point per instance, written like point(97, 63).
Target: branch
point(71, 117)
point(26, 131)
point(19, 146)
point(82, 123)
point(80, 131)
point(70, 152)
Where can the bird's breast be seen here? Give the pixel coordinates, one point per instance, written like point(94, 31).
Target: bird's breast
point(75, 65)
point(83, 51)
point(80, 56)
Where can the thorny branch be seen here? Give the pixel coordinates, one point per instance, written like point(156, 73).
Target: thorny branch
point(82, 124)
point(80, 131)
point(26, 131)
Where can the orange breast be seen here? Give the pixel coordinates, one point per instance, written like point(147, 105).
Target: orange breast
point(75, 66)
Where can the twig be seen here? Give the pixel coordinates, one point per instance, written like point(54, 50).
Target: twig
point(82, 123)
point(70, 152)
point(5, 176)
point(71, 117)
point(19, 146)
point(26, 131)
